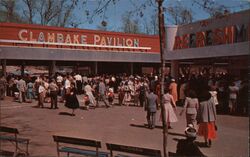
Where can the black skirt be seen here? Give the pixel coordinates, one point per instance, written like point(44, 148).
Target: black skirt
point(72, 102)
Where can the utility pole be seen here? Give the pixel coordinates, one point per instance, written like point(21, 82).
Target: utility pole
point(162, 37)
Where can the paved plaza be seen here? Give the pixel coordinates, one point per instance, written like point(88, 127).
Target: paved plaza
point(119, 124)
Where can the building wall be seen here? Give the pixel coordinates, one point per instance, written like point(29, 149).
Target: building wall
point(213, 23)
point(237, 49)
point(98, 52)
point(35, 42)
point(22, 53)
point(228, 49)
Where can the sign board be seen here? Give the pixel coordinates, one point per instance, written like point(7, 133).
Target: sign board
point(54, 37)
point(218, 36)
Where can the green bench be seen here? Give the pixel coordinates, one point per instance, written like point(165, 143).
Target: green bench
point(132, 150)
point(11, 135)
point(68, 145)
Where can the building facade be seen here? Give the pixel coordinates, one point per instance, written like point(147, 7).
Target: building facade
point(220, 44)
point(98, 51)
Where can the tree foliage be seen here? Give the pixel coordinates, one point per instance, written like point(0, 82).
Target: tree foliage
point(130, 25)
point(179, 14)
point(30, 11)
point(213, 8)
point(8, 11)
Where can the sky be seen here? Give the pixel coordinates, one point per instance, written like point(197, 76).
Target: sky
point(114, 12)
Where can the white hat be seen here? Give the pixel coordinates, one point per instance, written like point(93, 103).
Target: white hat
point(173, 80)
point(190, 131)
point(156, 78)
point(111, 90)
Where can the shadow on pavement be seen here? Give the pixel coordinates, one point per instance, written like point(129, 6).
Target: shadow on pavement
point(65, 113)
point(45, 107)
point(157, 127)
point(139, 126)
point(90, 107)
point(36, 106)
point(199, 144)
point(144, 126)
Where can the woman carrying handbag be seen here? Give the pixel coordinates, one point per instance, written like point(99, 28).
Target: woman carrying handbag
point(191, 106)
point(206, 118)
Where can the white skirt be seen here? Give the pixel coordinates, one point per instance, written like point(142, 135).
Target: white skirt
point(170, 114)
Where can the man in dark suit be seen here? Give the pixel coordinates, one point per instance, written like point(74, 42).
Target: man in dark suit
point(151, 108)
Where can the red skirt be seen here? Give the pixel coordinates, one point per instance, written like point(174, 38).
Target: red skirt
point(207, 129)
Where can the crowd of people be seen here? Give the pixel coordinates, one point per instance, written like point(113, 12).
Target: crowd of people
point(230, 95)
point(202, 96)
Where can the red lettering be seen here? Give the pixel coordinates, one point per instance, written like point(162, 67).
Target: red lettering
point(200, 39)
point(228, 35)
point(185, 41)
point(177, 43)
point(217, 36)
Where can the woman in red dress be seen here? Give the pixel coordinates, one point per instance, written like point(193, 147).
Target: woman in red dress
point(206, 117)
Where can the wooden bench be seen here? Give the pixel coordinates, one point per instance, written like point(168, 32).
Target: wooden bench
point(10, 134)
point(73, 142)
point(132, 150)
point(4, 153)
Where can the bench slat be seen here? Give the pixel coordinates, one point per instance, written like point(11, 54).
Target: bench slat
point(8, 129)
point(77, 141)
point(121, 155)
point(12, 138)
point(82, 151)
point(5, 153)
point(134, 150)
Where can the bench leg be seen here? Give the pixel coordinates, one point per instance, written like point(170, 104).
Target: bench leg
point(16, 146)
point(27, 148)
point(68, 154)
point(57, 148)
point(111, 153)
point(97, 152)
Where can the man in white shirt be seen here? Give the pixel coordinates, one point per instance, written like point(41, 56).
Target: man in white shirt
point(21, 86)
point(59, 79)
point(67, 83)
point(78, 79)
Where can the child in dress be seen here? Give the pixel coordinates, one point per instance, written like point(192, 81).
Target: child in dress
point(110, 96)
point(86, 101)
